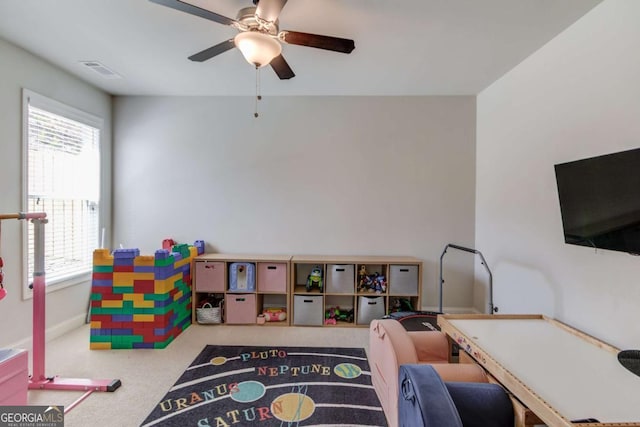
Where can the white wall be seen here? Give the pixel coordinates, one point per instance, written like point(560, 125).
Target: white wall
point(19, 69)
point(577, 97)
point(311, 175)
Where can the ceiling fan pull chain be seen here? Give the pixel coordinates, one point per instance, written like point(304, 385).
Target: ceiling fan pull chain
point(258, 96)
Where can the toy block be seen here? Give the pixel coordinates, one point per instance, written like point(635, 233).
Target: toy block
point(101, 276)
point(163, 273)
point(102, 257)
point(193, 252)
point(100, 346)
point(100, 338)
point(163, 258)
point(144, 269)
point(144, 261)
point(156, 297)
point(122, 317)
point(144, 286)
point(177, 257)
point(144, 304)
point(124, 279)
point(143, 318)
point(141, 302)
point(199, 245)
point(130, 297)
point(112, 303)
point(123, 268)
point(102, 283)
point(103, 268)
point(126, 253)
point(180, 265)
point(183, 249)
point(147, 345)
point(111, 297)
point(95, 296)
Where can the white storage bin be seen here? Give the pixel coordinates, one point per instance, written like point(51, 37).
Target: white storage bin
point(308, 310)
point(341, 278)
point(403, 280)
point(370, 308)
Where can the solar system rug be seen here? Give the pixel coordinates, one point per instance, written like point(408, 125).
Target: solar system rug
point(272, 386)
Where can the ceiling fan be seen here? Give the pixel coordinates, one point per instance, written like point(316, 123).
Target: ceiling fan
point(259, 38)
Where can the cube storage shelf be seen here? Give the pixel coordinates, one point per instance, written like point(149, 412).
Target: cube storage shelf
point(349, 296)
point(248, 284)
point(350, 287)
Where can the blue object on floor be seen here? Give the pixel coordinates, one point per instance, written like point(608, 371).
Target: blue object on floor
point(425, 400)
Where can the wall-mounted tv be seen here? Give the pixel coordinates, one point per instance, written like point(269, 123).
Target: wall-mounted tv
point(600, 201)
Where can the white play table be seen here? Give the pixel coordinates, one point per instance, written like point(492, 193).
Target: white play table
point(558, 372)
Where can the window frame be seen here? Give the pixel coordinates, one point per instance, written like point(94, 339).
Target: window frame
point(72, 113)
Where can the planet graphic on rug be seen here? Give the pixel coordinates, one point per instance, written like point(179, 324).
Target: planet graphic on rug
point(248, 391)
point(218, 360)
point(293, 407)
point(347, 371)
point(288, 407)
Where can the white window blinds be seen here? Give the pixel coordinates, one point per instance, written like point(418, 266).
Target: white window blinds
point(63, 180)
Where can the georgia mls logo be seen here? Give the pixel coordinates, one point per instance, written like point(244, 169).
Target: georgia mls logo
point(31, 416)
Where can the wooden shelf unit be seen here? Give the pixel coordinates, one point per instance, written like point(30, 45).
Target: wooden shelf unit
point(307, 308)
point(271, 290)
point(403, 281)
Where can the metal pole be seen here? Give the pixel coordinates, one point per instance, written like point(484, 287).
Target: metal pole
point(492, 309)
point(39, 296)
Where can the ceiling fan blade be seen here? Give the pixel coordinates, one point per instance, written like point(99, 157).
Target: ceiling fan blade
point(281, 68)
point(213, 51)
point(195, 10)
point(335, 44)
point(269, 10)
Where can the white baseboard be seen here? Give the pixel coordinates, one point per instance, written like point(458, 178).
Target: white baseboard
point(53, 332)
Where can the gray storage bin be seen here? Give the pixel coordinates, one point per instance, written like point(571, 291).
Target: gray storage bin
point(403, 280)
point(341, 278)
point(370, 308)
point(308, 310)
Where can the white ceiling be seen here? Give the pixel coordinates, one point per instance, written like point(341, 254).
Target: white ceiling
point(403, 47)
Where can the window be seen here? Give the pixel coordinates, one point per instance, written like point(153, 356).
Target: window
point(62, 179)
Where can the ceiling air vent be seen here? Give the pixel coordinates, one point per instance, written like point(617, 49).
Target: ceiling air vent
point(101, 69)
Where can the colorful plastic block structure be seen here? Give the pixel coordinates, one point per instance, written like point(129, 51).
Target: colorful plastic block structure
point(141, 301)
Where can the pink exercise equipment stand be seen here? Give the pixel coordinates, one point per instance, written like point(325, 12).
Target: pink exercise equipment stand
point(38, 380)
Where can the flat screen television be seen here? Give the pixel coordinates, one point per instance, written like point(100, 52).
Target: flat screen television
point(600, 201)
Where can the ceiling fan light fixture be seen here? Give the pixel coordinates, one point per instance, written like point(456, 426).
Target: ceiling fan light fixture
point(257, 48)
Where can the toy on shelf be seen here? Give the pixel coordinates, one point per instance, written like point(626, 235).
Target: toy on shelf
point(314, 278)
point(330, 316)
point(375, 282)
point(380, 283)
point(400, 304)
point(274, 314)
point(362, 277)
point(334, 314)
